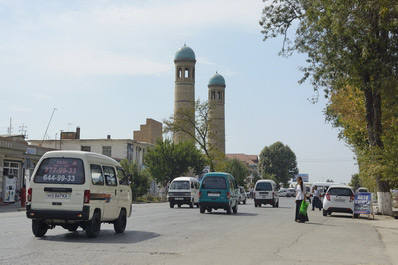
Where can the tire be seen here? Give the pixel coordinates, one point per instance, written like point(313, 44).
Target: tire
point(229, 209)
point(235, 209)
point(244, 202)
point(94, 226)
point(202, 209)
point(324, 213)
point(39, 228)
point(277, 204)
point(171, 205)
point(274, 204)
point(259, 204)
point(179, 206)
point(209, 210)
point(120, 224)
point(191, 204)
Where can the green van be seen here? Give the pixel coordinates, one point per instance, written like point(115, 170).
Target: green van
point(218, 190)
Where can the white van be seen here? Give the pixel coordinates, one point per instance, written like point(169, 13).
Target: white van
point(184, 190)
point(265, 193)
point(78, 189)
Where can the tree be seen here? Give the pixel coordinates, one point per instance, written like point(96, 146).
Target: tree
point(348, 42)
point(237, 169)
point(278, 162)
point(183, 120)
point(140, 180)
point(167, 160)
point(355, 181)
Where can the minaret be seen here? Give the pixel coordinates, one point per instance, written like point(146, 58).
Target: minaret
point(217, 112)
point(184, 91)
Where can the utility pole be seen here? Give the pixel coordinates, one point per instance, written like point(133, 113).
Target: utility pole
point(23, 130)
point(10, 128)
point(44, 136)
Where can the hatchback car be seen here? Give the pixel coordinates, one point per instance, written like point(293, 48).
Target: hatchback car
point(339, 198)
point(282, 192)
point(291, 192)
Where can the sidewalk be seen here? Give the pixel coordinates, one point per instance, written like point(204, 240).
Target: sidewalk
point(11, 207)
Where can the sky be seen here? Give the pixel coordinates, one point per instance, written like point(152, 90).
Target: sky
point(107, 66)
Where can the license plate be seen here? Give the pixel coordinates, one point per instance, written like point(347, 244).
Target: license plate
point(178, 199)
point(58, 195)
point(339, 200)
point(213, 194)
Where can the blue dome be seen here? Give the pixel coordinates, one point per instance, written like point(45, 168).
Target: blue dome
point(185, 53)
point(217, 79)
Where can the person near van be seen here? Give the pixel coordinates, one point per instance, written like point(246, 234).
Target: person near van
point(316, 202)
point(300, 197)
point(22, 195)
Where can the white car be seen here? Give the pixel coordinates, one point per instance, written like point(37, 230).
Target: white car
point(340, 199)
point(242, 195)
point(282, 192)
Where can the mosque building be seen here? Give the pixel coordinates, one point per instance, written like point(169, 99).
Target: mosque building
point(184, 99)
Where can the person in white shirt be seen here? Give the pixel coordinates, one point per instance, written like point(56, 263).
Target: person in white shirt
point(316, 202)
point(300, 197)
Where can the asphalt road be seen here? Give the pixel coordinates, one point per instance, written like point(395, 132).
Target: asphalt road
point(156, 234)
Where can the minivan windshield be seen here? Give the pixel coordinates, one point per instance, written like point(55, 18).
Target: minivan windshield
point(180, 185)
point(214, 182)
point(264, 186)
point(60, 171)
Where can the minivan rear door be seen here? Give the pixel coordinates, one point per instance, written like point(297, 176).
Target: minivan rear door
point(59, 184)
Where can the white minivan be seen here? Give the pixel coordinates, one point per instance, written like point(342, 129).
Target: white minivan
point(265, 193)
point(76, 189)
point(184, 190)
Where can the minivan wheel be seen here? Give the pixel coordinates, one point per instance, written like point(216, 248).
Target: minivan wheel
point(171, 205)
point(191, 205)
point(202, 209)
point(39, 228)
point(324, 213)
point(120, 224)
point(244, 202)
point(356, 215)
point(179, 206)
point(94, 226)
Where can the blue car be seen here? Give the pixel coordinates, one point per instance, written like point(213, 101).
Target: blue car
point(218, 190)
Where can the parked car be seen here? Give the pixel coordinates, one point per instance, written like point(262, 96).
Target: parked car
point(282, 192)
point(339, 198)
point(291, 192)
point(265, 193)
point(242, 195)
point(184, 190)
point(218, 190)
point(76, 189)
point(362, 189)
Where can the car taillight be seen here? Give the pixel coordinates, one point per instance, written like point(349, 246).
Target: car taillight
point(29, 198)
point(352, 197)
point(86, 196)
point(327, 196)
point(200, 194)
point(228, 195)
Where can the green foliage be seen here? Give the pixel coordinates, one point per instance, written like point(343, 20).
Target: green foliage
point(166, 160)
point(237, 169)
point(140, 180)
point(278, 162)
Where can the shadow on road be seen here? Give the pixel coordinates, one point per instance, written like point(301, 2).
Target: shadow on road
point(105, 236)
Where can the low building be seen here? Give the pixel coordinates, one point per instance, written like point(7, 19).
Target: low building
point(17, 162)
point(149, 132)
point(251, 162)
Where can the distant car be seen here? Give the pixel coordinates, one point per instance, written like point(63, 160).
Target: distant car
point(265, 193)
point(340, 199)
point(291, 193)
point(282, 192)
point(362, 189)
point(242, 195)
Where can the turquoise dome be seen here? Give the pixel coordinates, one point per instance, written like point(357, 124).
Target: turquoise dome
point(217, 79)
point(185, 53)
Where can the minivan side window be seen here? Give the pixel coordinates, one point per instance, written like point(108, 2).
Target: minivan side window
point(97, 178)
point(110, 176)
point(122, 176)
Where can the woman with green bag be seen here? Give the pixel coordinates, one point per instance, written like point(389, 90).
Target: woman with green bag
point(301, 204)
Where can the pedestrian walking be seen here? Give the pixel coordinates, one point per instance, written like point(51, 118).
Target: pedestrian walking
point(316, 202)
point(22, 195)
point(300, 197)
